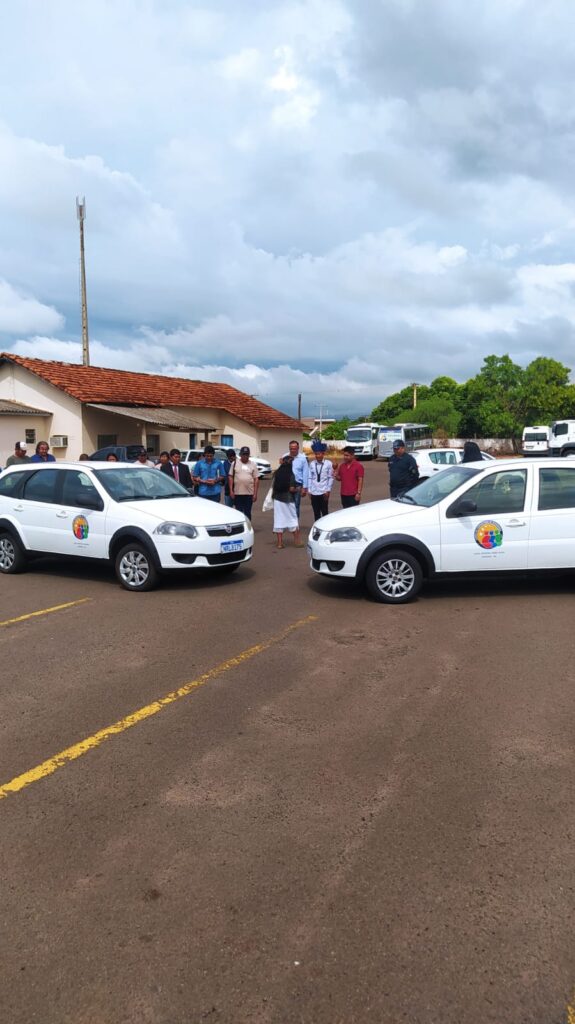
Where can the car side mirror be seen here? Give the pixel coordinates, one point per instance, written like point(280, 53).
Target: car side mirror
point(463, 507)
point(92, 501)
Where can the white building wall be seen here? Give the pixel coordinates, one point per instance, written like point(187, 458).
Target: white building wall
point(22, 386)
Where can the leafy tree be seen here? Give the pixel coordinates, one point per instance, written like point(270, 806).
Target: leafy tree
point(392, 409)
point(444, 386)
point(336, 431)
point(545, 393)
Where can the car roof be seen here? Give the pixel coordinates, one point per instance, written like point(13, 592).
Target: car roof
point(32, 467)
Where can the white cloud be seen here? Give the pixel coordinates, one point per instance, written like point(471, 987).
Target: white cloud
point(23, 313)
point(292, 189)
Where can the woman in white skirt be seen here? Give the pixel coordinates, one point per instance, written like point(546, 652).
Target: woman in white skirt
point(283, 490)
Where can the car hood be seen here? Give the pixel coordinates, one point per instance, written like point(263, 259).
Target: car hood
point(371, 512)
point(192, 510)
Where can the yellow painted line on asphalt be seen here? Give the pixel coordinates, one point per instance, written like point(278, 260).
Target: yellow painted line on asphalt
point(79, 749)
point(45, 611)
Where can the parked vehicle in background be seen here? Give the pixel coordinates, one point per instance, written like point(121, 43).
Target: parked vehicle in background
point(413, 435)
point(562, 438)
point(140, 521)
point(433, 460)
point(535, 441)
point(363, 438)
point(123, 453)
point(191, 456)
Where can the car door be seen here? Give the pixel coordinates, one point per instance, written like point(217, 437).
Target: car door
point(80, 517)
point(495, 535)
point(35, 509)
point(439, 460)
point(552, 540)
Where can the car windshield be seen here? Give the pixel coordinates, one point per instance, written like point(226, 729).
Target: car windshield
point(139, 484)
point(434, 490)
point(359, 435)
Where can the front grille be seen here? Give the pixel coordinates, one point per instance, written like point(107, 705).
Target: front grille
point(225, 557)
point(184, 559)
point(225, 531)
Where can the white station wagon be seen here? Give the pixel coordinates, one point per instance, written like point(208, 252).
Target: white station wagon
point(139, 519)
point(434, 460)
point(498, 516)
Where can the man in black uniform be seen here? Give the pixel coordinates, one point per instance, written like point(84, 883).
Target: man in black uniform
point(403, 471)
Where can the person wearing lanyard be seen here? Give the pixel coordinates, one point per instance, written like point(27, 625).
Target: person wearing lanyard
point(320, 480)
point(300, 471)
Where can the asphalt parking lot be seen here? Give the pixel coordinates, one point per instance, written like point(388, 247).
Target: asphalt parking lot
point(267, 799)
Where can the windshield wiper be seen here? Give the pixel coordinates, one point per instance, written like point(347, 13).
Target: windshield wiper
point(406, 497)
point(134, 497)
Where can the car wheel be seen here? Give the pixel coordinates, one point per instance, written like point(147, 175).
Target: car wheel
point(12, 555)
point(394, 576)
point(135, 569)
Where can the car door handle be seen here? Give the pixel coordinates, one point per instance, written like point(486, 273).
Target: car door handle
point(61, 515)
point(18, 508)
point(516, 522)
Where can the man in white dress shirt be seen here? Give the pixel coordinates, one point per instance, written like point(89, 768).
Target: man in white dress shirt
point(320, 480)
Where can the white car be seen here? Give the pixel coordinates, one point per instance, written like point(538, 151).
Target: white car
point(496, 516)
point(140, 520)
point(190, 457)
point(434, 460)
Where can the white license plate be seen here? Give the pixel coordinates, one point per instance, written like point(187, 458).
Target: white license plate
point(231, 545)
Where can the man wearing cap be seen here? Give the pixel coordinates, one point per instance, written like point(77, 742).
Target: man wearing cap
point(350, 474)
point(320, 480)
point(20, 454)
point(403, 471)
point(142, 458)
point(244, 482)
point(208, 475)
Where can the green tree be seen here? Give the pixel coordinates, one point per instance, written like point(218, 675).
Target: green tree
point(392, 409)
point(489, 402)
point(545, 393)
point(336, 431)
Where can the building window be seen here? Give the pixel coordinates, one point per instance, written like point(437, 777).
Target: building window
point(30, 436)
point(153, 443)
point(227, 441)
point(264, 447)
point(105, 440)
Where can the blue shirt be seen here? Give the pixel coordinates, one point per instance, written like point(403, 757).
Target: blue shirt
point(38, 458)
point(300, 470)
point(206, 471)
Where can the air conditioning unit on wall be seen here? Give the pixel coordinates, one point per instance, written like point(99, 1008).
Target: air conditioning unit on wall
point(59, 441)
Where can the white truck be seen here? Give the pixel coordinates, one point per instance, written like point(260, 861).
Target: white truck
point(535, 441)
point(363, 438)
point(562, 438)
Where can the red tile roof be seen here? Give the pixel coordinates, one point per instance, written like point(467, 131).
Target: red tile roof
point(122, 387)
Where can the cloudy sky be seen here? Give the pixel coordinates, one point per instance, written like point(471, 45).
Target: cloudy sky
point(333, 197)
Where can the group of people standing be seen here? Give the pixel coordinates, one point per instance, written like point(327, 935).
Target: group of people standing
point(296, 477)
point(236, 477)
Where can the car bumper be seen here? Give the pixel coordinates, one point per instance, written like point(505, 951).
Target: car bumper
point(334, 559)
point(202, 553)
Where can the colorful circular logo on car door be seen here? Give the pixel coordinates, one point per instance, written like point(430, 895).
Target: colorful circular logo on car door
point(488, 535)
point(81, 528)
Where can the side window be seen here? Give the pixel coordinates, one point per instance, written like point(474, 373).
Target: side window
point(560, 428)
point(42, 486)
point(78, 490)
point(499, 492)
point(556, 488)
point(434, 457)
point(10, 483)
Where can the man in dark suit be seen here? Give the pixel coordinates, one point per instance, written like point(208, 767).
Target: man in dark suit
point(178, 469)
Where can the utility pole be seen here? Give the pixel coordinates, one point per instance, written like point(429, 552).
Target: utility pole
point(415, 387)
point(299, 407)
point(81, 215)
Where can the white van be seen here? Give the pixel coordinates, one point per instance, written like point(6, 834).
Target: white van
point(562, 438)
point(535, 441)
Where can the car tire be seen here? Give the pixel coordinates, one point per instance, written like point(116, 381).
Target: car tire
point(135, 569)
point(12, 555)
point(394, 576)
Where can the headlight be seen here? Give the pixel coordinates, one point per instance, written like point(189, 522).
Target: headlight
point(315, 533)
point(176, 530)
point(248, 526)
point(345, 534)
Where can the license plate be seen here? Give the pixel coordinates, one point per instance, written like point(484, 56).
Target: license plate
point(231, 545)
